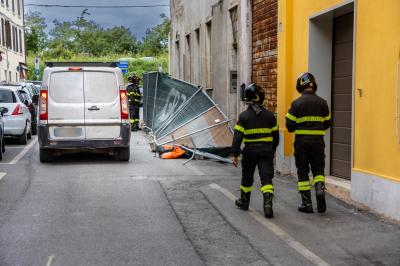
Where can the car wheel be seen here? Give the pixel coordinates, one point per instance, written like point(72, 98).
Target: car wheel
point(23, 139)
point(3, 147)
point(123, 154)
point(29, 135)
point(45, 156)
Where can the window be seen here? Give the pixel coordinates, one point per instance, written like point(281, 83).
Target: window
point(2, 2)
point(13, 6)
point(234, 20)
point(208, 55)
point(7, 27)
point(178, 58)
point(20, 42)
point(7, 4)
point(14, 45)
point(19, 7)
point(3, 33)
point(15, 38)
point(7, 96)
point(188, 61)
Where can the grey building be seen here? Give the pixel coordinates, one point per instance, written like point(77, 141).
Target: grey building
point(211, 46)
point(12, 41)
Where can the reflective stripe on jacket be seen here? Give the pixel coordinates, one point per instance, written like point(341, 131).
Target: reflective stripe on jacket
point(260, 129)
point(308, 115)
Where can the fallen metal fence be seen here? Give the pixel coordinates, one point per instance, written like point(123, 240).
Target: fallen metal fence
point(180, 113)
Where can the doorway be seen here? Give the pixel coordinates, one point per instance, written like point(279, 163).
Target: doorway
point(331, 60)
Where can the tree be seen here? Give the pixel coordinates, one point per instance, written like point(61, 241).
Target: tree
point(85, 36)
point(126, 41)
point(156, 39)
point(35, 32)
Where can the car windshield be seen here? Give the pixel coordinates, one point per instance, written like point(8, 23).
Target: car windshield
point(7, 96)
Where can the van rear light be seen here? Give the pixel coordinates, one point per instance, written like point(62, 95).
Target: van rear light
point(43, 115)
point(75, 69)
point(124, 105)
point(18, 110)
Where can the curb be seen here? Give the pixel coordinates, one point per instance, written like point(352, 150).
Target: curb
point(339, 188)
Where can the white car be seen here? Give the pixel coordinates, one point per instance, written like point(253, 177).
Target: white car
point(3, 110)
point(83, 107)
point(17, 121)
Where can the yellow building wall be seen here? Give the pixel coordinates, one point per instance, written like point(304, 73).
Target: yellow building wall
point(376, 149)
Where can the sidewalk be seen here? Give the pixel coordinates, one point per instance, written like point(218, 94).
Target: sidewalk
point(342, 236)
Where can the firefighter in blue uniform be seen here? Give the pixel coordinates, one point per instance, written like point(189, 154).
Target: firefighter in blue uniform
point(258, 130)
point(309, 118)
point(135, 101)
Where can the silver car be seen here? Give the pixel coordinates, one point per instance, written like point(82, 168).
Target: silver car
point(3, 110)
point(17, 121)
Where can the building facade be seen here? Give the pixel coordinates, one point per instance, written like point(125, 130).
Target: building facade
point(351, 46)
point(353, 49)
point(211, 46)
point(265, 48)
point(12, 41)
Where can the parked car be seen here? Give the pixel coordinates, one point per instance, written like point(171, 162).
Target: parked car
point(17, 119)
point(3, 110)
point(31, 94)
point(83, 107)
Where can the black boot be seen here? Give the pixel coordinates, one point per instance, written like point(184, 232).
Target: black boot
point(268, 197)
point(320, 195)
point(244, 201)
point(306, 205)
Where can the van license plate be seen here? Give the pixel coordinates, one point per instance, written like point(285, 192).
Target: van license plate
point(68, 132)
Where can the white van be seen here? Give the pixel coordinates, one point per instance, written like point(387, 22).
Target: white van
point(83, 107)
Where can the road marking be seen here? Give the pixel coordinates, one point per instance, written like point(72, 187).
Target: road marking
point(279, 232)
point(23, 152)
point(50, 260)
point(2, 175)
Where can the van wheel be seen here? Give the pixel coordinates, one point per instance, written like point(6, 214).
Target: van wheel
point(45, 156)
point(123, 154)
point(23, 139)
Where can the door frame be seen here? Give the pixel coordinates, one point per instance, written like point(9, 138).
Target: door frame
point(320, 57)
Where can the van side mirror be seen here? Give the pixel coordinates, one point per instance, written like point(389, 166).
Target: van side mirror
point(3, 110)
point(35, 99)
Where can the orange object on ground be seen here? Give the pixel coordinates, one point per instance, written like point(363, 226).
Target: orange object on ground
point(174, 154)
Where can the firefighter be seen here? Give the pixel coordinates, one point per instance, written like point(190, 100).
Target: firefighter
point(258, 130)
point(135, 101)
point(309, 118)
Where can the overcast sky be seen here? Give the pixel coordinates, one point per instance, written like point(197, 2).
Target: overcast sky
point(136, 19)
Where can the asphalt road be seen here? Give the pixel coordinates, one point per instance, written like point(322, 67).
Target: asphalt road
point(88, 209)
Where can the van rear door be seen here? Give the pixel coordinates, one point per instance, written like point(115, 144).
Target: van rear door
point(102, 105)
point(66, 105)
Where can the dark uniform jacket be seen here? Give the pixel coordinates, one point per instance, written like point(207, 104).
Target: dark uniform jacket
point(308, 115)
point(134, 95)
point(258, 131)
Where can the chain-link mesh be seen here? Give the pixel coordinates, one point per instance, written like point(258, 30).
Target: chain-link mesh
point(174, 109)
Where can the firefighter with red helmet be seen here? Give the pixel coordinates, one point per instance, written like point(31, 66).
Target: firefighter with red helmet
point(309, 118)
point(135, 101)
point(258, 130)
